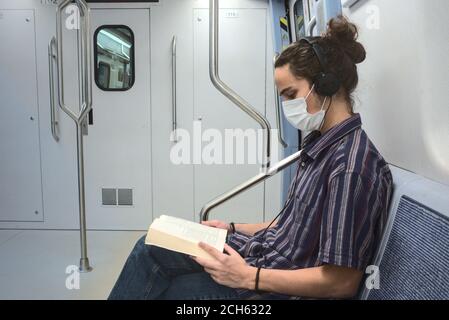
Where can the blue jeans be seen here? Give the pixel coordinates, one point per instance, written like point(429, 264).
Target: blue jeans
point(155, 273)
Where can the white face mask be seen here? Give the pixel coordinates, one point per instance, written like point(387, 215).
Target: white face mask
point(296, 113)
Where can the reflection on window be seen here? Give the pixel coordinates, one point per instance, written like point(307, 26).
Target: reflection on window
point(114, 58)
point(300, 27)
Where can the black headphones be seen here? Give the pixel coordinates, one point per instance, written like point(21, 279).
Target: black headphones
point(326, 83)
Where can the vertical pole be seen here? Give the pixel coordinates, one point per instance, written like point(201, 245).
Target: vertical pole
point(84, 261)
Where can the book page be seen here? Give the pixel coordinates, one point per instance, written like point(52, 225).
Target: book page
point(191, 231)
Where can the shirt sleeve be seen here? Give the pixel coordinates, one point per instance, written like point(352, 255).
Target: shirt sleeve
point(348, 222)
point(237, 240)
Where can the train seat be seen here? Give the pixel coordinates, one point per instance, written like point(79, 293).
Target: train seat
point(413, 257)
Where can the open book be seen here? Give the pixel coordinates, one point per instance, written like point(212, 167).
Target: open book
point(183, 236)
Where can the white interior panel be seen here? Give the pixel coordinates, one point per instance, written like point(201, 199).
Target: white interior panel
point(404, 88)
point(20, 164)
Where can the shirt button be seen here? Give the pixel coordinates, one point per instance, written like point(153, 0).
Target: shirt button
point(303, 164)
point(265, 245)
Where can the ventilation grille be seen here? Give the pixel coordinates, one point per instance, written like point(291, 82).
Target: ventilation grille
point(117, 197)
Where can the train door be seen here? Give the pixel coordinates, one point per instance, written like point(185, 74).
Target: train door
point(118, 145)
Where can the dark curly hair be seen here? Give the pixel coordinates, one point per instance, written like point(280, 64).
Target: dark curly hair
point(343, 53)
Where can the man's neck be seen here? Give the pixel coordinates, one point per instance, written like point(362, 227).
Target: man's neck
point(337, 112)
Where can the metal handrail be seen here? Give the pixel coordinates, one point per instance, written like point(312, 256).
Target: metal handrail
point(84, 73)
point(174, 91)
point(87, 62)
point(204, 214)
point(60, 59)
point(310, 26)
point(51, 57)
point(291, 7)
point(226, 90)
point(278, 108)
point(270, 172)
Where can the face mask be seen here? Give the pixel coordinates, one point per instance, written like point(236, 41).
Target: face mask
point(296, 113)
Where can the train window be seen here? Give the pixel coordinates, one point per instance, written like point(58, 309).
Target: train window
point(300, 28)
point(114, 58)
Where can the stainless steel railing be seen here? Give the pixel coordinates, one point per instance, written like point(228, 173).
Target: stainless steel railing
point(52, 56)
point(204, 214)
point(174, 91)
point(85, 77)
point(214, 11)
point(269, 172)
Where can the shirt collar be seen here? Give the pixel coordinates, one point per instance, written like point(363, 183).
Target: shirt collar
point(315, 143)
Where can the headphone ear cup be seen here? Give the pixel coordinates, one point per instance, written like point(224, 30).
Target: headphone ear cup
point(327, 84)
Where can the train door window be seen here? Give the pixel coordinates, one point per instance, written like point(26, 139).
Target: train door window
point(114, 58)
point(300, 19)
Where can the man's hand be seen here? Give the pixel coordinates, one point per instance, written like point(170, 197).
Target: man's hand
point(217, 224)
point(229, 269)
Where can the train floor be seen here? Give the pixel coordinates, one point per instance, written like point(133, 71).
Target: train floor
point(40, 264)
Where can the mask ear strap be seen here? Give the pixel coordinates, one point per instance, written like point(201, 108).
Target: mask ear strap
point(324, 118)
point(324, 103)
point(310, 92)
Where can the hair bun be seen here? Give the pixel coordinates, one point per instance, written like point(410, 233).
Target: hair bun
point(345, 34)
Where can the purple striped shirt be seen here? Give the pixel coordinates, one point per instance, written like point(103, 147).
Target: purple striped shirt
point(336, 209)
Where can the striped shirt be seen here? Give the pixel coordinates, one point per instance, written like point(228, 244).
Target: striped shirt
point(335, 212)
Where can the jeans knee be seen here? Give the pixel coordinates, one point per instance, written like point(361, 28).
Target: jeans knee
point(157, 252)
point(140, 245)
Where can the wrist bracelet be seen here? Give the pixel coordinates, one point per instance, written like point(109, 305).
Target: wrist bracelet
point(257, 280)
point(232, 225)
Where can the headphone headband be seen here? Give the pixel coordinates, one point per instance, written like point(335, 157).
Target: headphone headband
point(319, 52)
point(326, 83)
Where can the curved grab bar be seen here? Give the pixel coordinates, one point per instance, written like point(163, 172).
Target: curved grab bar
point(291, 10)
point(310, 26)
point(85, 70)
point(227, 91)
point(51, 57)
point(60, 60)
point(87, 62)
point(204, 214)
point(278, 109)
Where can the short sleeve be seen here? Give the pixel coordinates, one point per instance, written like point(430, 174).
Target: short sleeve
point(237, 240)
point(348, 222)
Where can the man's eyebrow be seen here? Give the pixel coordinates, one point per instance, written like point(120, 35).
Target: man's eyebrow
point(285, 91)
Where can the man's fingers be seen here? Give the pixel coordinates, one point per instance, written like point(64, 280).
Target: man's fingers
point(206, 263)
point(212, 272)
point(212, 251)
point(230, 250)
point(215, 279)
